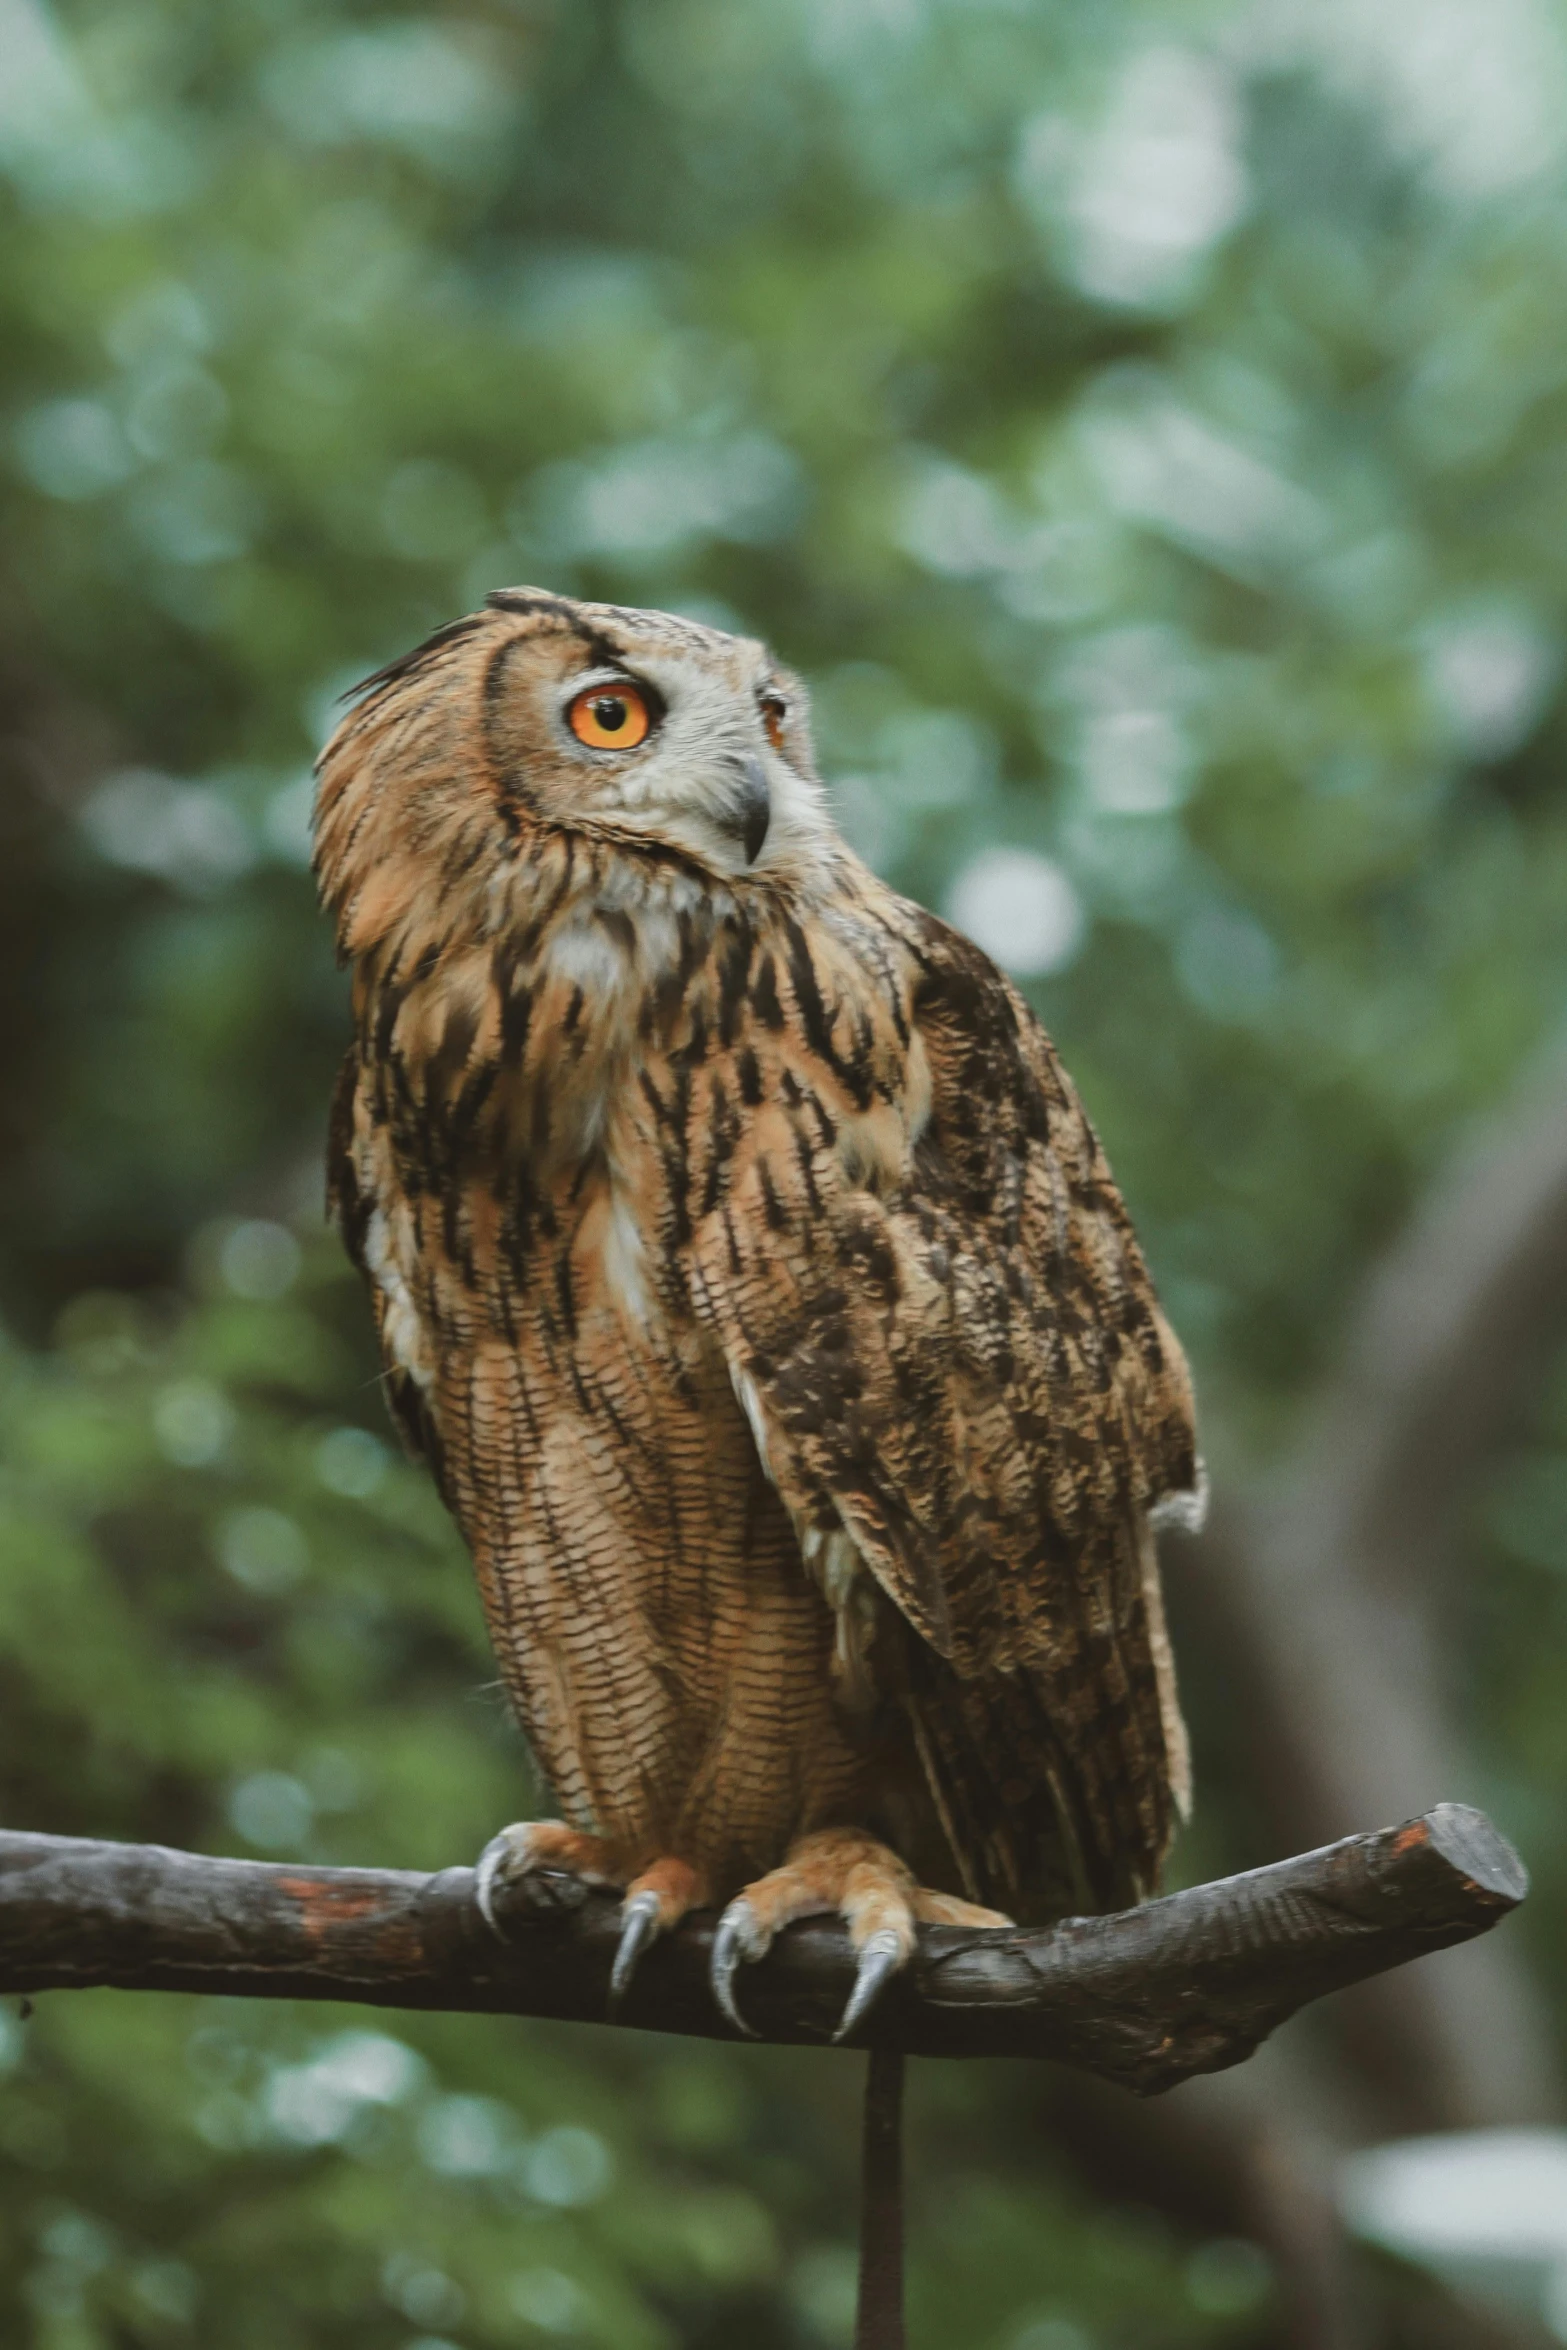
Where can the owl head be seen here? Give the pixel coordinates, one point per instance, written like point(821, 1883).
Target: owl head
point(638, 729)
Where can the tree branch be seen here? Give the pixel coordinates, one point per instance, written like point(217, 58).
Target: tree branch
point(1341, 1712)
point(1146, 1998)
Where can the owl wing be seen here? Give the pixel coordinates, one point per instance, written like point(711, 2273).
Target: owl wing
point(968, 1372)
point(361, 1190)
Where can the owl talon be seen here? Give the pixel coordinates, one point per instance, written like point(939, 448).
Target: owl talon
point(486, 1870)
point(561, 1862)
point(738, 1938)
point(641, 1915)
point(880, 1958)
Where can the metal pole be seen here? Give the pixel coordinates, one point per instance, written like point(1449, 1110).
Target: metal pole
point(878, 2323)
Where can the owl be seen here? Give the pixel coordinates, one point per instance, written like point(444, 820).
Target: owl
point(748, 1273)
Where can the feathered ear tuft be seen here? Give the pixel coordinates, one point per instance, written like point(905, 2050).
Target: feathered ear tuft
point(532, 599)
point(407, 663)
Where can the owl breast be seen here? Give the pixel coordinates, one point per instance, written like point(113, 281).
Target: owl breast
point(670, 1655)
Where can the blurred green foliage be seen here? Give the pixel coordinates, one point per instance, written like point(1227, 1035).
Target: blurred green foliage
point(1143, 424)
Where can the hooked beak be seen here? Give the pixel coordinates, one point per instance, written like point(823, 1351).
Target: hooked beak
point(753, 806)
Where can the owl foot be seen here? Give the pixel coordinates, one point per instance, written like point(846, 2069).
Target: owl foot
point(655, 1901)
point(567, 1863)
point(871, 1889)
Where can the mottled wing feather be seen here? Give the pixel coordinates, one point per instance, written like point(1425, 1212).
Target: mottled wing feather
point(968, 1371)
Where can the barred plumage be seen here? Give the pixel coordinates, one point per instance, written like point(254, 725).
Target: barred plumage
point(750, 1274)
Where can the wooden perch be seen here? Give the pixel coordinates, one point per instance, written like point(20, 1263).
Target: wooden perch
point(1147, 1997)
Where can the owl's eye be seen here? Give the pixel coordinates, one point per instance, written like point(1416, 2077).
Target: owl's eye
point(610, 717)
point(775, 711)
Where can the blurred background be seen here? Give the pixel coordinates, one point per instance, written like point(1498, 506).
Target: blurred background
point(1143, 424)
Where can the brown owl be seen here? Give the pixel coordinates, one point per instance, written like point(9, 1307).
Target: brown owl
point(750, 1276)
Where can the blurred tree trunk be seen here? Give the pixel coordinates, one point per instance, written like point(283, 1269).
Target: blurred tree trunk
point(1320, 1594)
point(1327, 1587)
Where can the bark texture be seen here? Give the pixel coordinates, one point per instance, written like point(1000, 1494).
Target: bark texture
point(1146, 1997)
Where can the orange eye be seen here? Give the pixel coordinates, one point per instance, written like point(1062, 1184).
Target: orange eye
point(610, 718)
point(775, 711)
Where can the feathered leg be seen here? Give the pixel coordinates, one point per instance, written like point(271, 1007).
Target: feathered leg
point(871, 1889)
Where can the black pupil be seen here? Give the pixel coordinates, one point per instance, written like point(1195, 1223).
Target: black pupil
point(611, 712)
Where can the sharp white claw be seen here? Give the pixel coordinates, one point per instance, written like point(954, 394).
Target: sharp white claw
point(737, 1938)
point(880, 1958)
point(640, 1928)
point(508, 1854)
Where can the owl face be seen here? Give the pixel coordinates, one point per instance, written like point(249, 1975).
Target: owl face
point(542, 716)
point(644, 724)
